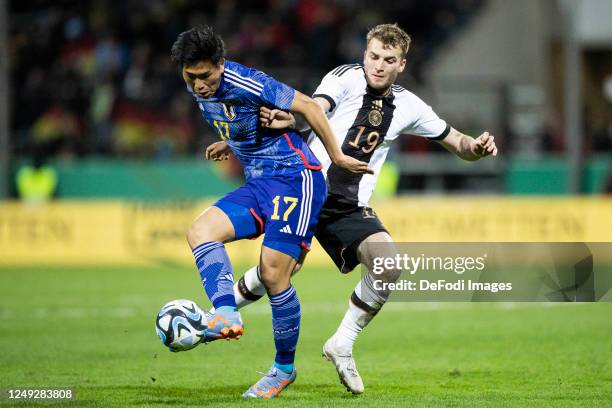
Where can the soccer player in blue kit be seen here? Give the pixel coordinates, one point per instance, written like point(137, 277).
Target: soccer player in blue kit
point(282, 196)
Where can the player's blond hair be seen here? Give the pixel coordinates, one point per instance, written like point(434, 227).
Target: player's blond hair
point(391, 35)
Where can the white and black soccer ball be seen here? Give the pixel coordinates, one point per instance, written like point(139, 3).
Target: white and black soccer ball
point(181, 325)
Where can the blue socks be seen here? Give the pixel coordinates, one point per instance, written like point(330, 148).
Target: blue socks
point(216, 273)
point(285, 368)
point(218, 280)
point(286, 315)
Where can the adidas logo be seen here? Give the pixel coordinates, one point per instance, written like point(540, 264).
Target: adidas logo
point(286, 229)
point(228, 276)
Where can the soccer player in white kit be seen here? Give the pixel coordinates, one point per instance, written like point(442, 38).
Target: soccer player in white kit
point(367, 111)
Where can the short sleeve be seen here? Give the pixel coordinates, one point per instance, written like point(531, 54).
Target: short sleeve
point(426, 123)
point(335, 85)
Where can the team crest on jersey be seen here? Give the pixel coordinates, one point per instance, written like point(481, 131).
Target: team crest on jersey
point(229, 110)
point(375, 115)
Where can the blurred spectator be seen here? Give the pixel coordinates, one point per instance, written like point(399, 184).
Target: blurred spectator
point(96, 75)
point(37, 182)
point(57, 127)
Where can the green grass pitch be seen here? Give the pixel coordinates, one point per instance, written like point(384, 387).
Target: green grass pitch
point(93, 329)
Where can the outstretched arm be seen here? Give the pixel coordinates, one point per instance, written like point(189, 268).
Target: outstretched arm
point(317, 120)
point(469, 148)
point(272, 118)
point(279, 119)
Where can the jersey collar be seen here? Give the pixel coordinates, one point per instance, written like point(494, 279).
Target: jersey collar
point(223, 86)
point(387, 96)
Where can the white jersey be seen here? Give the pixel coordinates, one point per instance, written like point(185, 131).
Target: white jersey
point(365, 124)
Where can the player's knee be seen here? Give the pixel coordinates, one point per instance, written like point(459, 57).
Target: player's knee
point(195, 235)
point(275, 272)
point(270, 268)
point(372, 258)
point(200, 232)
point(387, 275)
point(269, 276)
point(381, 271)
point(275, 280)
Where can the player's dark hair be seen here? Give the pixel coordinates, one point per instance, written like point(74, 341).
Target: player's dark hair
point(197, 44)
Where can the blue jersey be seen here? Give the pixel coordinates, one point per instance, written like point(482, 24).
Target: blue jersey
point(233, 112)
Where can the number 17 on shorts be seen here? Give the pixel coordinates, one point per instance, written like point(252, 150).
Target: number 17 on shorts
point(293, 207)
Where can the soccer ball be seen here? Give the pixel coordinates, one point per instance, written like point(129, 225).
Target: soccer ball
point(181, 325)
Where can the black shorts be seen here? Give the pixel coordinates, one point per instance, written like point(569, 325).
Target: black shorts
point(342, 227)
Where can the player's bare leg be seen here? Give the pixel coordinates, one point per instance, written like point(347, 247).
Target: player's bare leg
point(275, 272)
point(364, 304)
point(211, 225)
point(206, 237)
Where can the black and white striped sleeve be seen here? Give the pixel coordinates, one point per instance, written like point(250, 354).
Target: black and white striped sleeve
point(335, 84)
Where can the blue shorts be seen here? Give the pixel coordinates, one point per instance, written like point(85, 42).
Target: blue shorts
point(284, 208)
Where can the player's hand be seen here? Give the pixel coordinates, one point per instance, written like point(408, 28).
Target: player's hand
point(276, 118)
point(352, 165)
point(218, 151)
point(484, 145)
